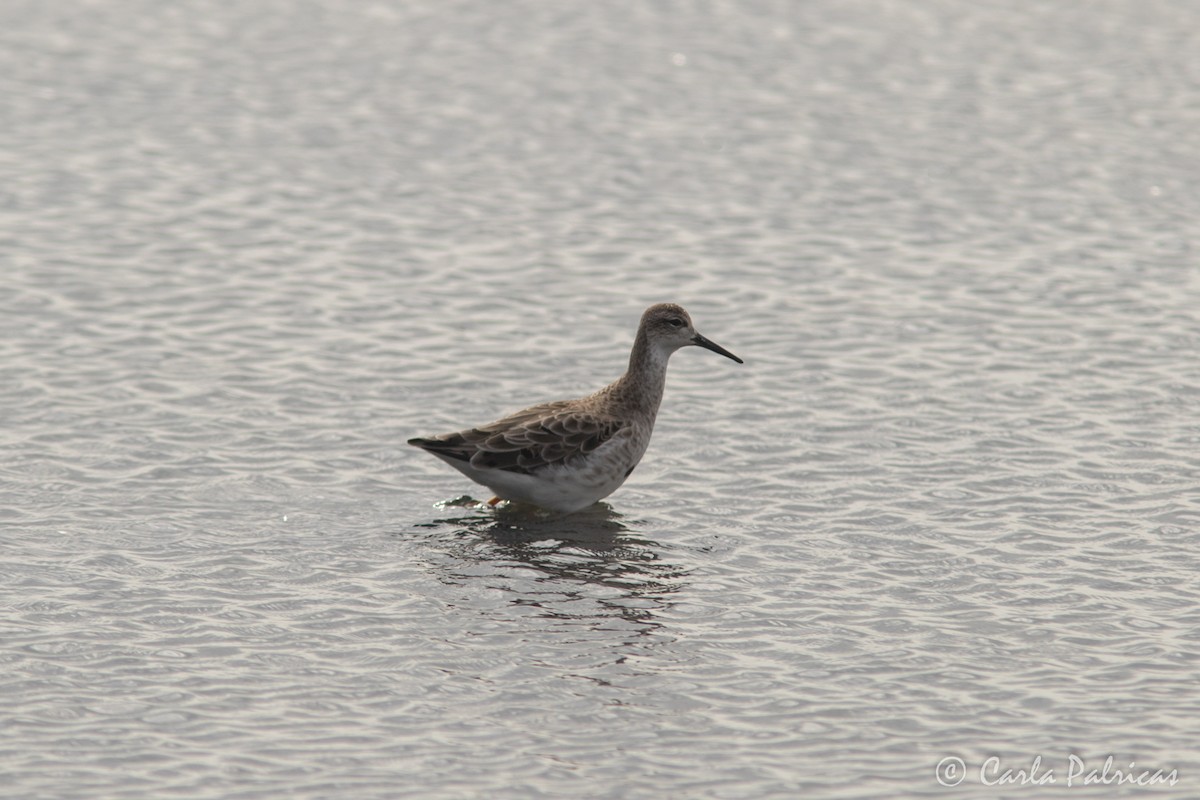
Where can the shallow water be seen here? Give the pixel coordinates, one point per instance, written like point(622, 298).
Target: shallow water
point(949, 507)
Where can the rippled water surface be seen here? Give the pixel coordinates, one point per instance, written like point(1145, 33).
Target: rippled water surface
point(949, 507)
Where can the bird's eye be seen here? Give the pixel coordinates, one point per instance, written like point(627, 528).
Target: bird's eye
point(675, 322)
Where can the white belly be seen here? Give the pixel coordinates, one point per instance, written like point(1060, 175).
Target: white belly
point(569, 486)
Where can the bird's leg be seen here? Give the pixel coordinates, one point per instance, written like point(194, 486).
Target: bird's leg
point(494, 501)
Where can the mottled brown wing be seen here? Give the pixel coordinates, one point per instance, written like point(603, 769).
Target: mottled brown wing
point(543, 439)
point(527, 440)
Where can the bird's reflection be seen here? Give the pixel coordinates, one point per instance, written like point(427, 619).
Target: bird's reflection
point(590, 564)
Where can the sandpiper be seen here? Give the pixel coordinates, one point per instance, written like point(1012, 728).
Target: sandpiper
point(566, 455)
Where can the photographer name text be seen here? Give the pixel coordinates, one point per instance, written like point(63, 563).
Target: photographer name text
point(952, 770)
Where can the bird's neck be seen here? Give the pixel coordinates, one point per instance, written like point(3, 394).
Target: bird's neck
point(641, 387)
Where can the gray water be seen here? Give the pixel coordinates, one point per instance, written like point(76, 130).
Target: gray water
point(949, 507)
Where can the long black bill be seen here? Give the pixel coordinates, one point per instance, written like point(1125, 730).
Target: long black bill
point(716, 348)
